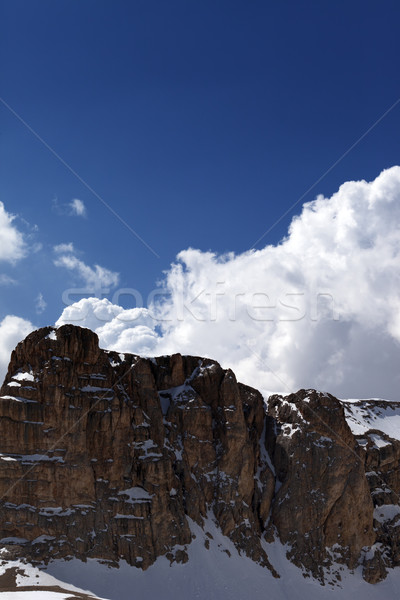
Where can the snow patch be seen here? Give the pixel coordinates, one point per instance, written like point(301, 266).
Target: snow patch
point(387, 512)
point(24, 376)
point(136, 495)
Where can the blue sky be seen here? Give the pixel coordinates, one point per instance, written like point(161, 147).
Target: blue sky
point(201, 124)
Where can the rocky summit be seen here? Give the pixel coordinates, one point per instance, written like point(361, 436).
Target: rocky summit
point(114, 456)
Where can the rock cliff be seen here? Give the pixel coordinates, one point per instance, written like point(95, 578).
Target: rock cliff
point(113, 456)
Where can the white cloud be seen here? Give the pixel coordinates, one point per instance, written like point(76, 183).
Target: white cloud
point(321, 309)
point(118, 329)
point(12, 330)
point(40, 304)
point(74, 208)
point(64, 248)
point(94, 278)
point(12, 244)
point(7, 280)
point(77, 208)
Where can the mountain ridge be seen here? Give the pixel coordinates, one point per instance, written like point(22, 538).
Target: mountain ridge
point(117, 452)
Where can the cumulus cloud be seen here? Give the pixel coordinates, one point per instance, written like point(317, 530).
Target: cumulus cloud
point(131, 330)
point(320, 309)
point(12, 330)
point(12, 244)
point(77, 208)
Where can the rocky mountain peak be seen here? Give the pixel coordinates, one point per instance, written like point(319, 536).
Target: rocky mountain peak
point(114, 456)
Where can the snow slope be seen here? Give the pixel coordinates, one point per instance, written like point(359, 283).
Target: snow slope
point(363, 415)
point(214, 575)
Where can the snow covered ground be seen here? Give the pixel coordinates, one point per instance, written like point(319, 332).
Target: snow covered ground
point(24, 582)
point(362, 415)
point(209, 575)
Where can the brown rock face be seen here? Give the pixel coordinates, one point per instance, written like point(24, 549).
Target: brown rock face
point(111, 456)
point(323, 499)
point(107, 455)
point(381, 456)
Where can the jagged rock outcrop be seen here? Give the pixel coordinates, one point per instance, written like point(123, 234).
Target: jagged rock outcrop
point(107, 455)
point(323, 507)
point(111, 456)
point(381, 456)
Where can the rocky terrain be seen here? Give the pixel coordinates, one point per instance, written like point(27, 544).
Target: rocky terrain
point(114, 456)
